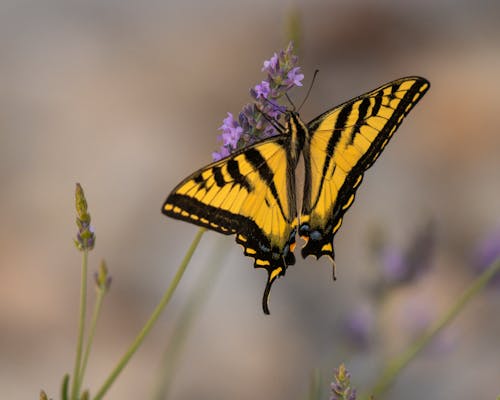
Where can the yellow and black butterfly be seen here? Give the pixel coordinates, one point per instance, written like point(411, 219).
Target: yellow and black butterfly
point(252, 192)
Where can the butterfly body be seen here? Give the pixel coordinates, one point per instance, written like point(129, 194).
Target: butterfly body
point(252, 193)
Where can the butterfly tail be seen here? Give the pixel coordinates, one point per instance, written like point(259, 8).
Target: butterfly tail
point(273, 275)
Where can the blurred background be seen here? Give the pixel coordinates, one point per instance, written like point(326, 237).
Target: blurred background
point(126, 97)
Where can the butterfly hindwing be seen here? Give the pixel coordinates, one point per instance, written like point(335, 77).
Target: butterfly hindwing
point(250, 194)
point(342, 144)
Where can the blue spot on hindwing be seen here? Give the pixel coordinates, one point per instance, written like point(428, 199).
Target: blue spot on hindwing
point(315, 235)
point(264, 248)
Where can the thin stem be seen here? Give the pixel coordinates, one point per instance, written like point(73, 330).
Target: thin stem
point(395, 366)
point(64, 387)
point(75, 387)
point(95, 316)
point(154, 317)
point(315, 385)
point(187, 316)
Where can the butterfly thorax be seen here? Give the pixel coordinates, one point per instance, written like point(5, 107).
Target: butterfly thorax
point(297, 131)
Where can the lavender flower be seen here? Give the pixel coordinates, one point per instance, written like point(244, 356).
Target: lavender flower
point(294, 78)
point(341, 386)
point(102, 278)
point(394, 267)
point(263, 89)
point(271, 65)
point(85, 238)
point(487, 251)
point(400, 267)
point(359, 326)
point(253, 121)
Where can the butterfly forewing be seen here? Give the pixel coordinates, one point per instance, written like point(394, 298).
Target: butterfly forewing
point(342, 144)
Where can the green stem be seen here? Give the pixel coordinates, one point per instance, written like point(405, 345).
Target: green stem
point(154, 317)
point(95, 316)
point(75, 388)
point(315, 385)
point(396, 365)
point(184, 323)
point(64, 387)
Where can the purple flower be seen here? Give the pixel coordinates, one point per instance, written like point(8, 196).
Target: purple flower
point(269, 131)
point(273, 109)
point(219, 155)
point(231, 132)
point(271, 65)
point(341, 385)
point(262, 89)
point(359, 326)
point(254, 120)
point(294, 77)
point(394, 267)
point(487, 251)
point(400, 266)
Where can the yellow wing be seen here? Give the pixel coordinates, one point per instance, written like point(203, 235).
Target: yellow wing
point(251, 194)
point(342, 144)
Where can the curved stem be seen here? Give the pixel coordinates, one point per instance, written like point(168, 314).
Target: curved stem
point(154, 317)
point(397, 364)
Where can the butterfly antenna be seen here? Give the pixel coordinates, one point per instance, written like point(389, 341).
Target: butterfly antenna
point(310, 88)
point(291, 102)
point(272, 121)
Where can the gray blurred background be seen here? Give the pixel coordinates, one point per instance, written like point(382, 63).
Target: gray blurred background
point(126, 98)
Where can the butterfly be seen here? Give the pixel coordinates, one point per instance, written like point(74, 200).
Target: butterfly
point(252, 193)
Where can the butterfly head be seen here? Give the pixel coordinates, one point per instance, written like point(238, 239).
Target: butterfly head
point(297, 131)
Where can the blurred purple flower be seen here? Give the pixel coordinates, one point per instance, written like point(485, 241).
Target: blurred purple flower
point(487, 252)
point(394, 266)
point(253, 122)
point(341, 385)
point(359, 326)
point(400, 267)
